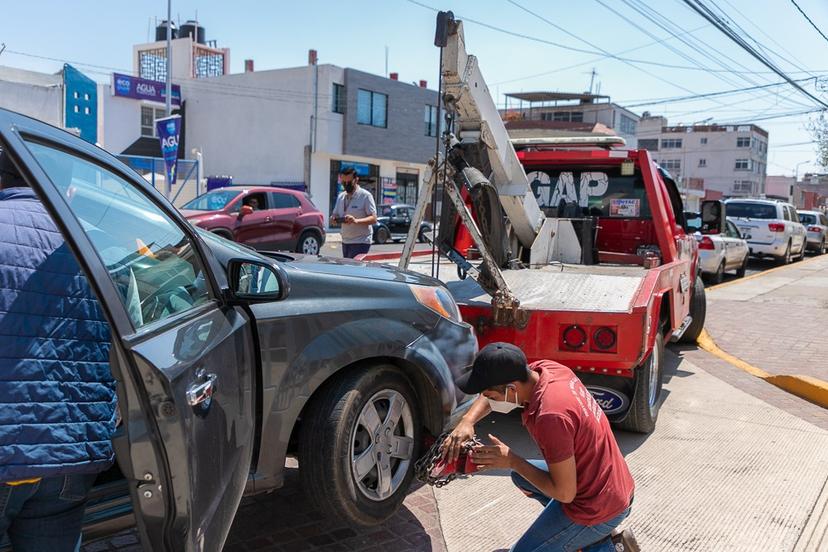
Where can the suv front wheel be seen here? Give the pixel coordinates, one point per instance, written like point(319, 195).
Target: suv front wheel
point(358, 446)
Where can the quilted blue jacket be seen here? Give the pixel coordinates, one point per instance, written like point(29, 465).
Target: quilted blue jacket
point(57, 395)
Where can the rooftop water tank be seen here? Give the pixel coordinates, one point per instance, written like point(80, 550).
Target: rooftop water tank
point(193, 29)
point(161, 31)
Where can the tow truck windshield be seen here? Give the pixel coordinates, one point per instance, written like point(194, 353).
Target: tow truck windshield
point(598, 193)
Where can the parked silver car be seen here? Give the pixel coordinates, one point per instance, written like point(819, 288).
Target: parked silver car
point(816, 224)
point(720, 253)
point(773, 226)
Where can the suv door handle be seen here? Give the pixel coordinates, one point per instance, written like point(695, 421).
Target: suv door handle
point(201, 390)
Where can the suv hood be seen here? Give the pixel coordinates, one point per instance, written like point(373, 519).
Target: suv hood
point(354, 269)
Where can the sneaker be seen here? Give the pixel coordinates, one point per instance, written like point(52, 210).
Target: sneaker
point(624, 541)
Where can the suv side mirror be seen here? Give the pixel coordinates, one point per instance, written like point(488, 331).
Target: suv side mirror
point(255, 281)
point(245, 210)
point(713, 217)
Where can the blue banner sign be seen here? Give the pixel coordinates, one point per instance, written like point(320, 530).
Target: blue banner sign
point(143, 89)
point(169, 129)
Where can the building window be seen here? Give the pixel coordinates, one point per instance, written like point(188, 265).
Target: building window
point(671, 143)
point(743, 142)
point(86, 97)
point(372, 108)
point(148, 117)
point(702, 162)
point(743, 186)
point(431, 120)
point(703, 141)
point(152, 64)
point(338, 98)
point(576, 117)
point(627, 125)
point(649, 144)
point(77, 109)
point(86, 111)
point(76, 95)
point(207, 63)
point(672, 165)
point(743, 164)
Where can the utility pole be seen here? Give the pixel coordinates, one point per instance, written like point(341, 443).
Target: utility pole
point(169, 58)
point(386, 62)
point(592, 80)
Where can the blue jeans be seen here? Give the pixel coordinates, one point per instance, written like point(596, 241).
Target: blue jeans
point(46, 515)
point(351, 250)
point(553, 531)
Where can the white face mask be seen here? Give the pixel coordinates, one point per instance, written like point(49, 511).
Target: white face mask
point(504, 407)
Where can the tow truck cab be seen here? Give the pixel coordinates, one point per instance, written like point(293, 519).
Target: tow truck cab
point(607, 320)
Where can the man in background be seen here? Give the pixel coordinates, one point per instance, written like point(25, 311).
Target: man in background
point(58, 409)
point(356, 211)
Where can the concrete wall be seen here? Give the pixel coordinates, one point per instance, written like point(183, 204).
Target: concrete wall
point(37, 95)
point(780, 186)
point(405, 137)
point(255, 126)
point(121, 120)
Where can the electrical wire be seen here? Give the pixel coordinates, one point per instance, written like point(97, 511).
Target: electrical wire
point(805, 15)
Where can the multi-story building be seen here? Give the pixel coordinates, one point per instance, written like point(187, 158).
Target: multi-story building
point(725, 159)
point(66, 99)
point(565, 113)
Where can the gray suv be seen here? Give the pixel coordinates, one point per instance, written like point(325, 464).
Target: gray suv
point(229, 360)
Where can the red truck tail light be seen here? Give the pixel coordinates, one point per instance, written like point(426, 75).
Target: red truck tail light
point(604, 339)
point(776, 227)
point(815, 229)
point(573, 338)
point(706, 243)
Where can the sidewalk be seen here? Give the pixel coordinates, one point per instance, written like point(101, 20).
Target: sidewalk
point(723, 471)
point(776, 321)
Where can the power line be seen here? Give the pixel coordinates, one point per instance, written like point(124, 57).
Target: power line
point(602, 54)
point(705, 12)
point(675, 99)
point(805, 15)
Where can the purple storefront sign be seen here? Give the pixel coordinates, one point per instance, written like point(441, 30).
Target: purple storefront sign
point(143, 89)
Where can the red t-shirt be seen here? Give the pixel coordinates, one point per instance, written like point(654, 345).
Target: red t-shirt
point(564, 420)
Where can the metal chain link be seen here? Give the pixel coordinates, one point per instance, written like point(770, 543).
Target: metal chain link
point(425, 465)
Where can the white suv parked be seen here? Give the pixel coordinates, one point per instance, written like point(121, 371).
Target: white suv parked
point(773, 227)
point(816, 224)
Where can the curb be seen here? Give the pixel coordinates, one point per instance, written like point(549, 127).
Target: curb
point(805, 387)
point(764, 272)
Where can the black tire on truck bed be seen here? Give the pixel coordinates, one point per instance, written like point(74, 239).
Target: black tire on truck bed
point(329, 440)
point(643, 412)
point(698, 310)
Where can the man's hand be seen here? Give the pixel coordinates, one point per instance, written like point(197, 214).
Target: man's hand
point(453, 444)
point(349, 219)
point(495, 456)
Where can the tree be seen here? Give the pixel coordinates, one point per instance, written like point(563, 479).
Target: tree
point(818, 127)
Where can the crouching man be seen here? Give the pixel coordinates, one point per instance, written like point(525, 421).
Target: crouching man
point(584, 483)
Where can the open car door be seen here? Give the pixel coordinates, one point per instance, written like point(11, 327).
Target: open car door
point(182, 356)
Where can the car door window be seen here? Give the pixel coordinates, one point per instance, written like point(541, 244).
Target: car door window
point(150, 259)
point(282, 201)
point(731, 230)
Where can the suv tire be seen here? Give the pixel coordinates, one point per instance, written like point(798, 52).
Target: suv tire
point(822, 248)
point(309, 243)
point(786, 258)
point(643, 412)
point(698, 310)
point(335, 437)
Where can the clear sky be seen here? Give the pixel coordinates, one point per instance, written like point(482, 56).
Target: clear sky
point(355, 33)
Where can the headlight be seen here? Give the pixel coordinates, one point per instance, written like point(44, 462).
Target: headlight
point(437, 299)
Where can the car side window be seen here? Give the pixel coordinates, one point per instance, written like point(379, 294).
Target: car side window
point(152, 262)
point(794, 214)
point(282, 201)
point(732, 232)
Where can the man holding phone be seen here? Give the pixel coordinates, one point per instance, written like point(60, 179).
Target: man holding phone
point(356, 211)
point(583, 481)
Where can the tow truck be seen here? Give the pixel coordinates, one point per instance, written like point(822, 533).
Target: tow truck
point(576, 249)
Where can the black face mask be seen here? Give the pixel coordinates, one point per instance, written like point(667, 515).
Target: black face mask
point(349, 187)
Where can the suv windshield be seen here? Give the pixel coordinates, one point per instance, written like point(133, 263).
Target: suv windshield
point(212, 201)
point(751, 210)
point(386, 212)
point(807, 219)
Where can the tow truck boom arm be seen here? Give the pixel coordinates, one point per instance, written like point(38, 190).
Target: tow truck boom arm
point(484, 138)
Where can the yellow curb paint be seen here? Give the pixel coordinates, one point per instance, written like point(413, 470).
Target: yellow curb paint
point(805, 387)
point(764, 273)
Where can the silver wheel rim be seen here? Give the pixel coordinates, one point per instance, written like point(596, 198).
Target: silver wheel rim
point(310, 246)
point(382, 445)
point(654, 370)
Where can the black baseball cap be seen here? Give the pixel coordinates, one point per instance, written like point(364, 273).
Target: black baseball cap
point(495, 364)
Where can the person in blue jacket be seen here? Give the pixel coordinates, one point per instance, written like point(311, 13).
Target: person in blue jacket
point(57, 394)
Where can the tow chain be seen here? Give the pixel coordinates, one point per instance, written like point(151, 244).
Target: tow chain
point(425, 466)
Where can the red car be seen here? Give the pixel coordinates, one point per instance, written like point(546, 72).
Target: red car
point(262, 217)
